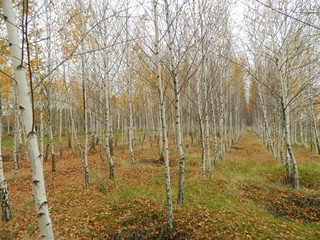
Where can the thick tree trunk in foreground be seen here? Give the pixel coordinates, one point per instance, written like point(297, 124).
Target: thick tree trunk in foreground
point(39, 192)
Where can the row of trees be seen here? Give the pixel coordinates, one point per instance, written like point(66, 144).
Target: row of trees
point(168, 71)
point(285, 86)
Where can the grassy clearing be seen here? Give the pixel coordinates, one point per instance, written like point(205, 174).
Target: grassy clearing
point(243, 198)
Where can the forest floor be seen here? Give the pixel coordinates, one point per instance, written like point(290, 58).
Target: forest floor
point(243, 198)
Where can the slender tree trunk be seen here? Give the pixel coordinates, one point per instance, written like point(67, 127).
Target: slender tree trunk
point(131, 125)
point(160, 137)
point(221, 123)
point(163, 122)
point(39, 192)
point(48, 90)
point(206, 121)
point(130, 98)
point(302, 135)
point(286, 121)
point(4, 193)
point(314, 126)
point(60, 132)
point(174, 76)
point(201, 127)
point(53, 157)
point(85, 104)
point(15, 131)
point(41, 128)
point(108, 130)
point(215, 139)
point(72, 131)
point(266, 124)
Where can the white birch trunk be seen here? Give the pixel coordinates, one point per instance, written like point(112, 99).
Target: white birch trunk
point(60, 131)
point(15, 130)
point(53, 157)
point(131, 124)
point(221, 123)
point(72, 129)
point(85, 103)
point(41, 128)
point(232, 114)
point(215, 139)
point(225, 117)
point(4, 193)
point(48, 89)
point(286, 121)
point(202, 137)
point(39, 193)
point(302, 135)
point(314, 126)
point(266, 124)
point(174, 75)
point(108, 130)
point(206, 121)
point(163, 121)
point(160, 135)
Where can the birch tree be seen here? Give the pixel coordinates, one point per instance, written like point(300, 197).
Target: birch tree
point(4, 192)
point(164, 122)
point(175, 78)
point(85, 103)
point(48, 89)
point(129, 88)
point(19, 72)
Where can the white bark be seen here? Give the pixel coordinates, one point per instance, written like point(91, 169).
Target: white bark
point(231, 137)
point(131, 124)
point(221, 122)
point(85, 103)
point(39, 192)
point(286, 121)
point(41, 129)
point(60, 131)
point(266, 123)
point(314, 126)
point(48, 90)
point(163, 121)
point(202, 137)
point(302, 135)
point(215, 139)
point(15, 130)
point(174, 76)
point(53, 157)
point(72, 129)
point(206, 122)
point(108, 130)
point(4, 193)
